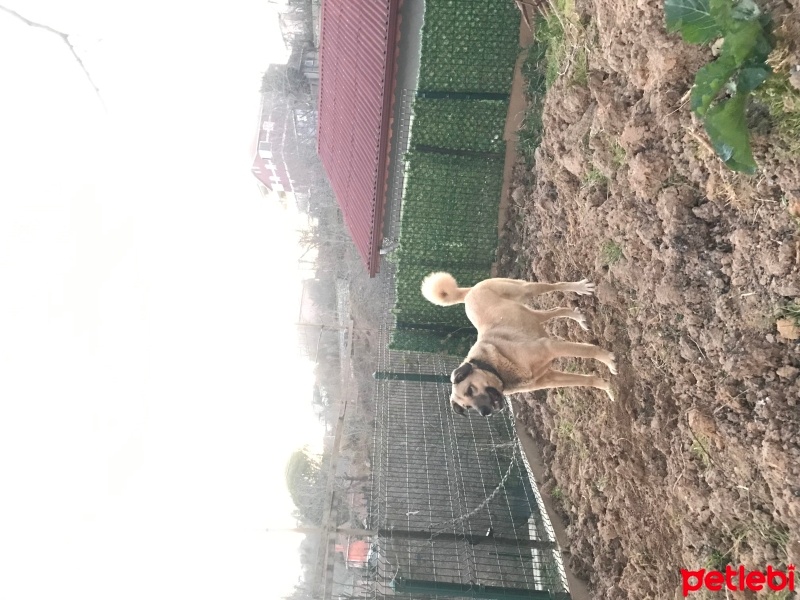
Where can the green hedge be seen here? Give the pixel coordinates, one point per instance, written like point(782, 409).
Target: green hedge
point(469, 45)
point(475, 125)
point(448, 222)
point(454, 170)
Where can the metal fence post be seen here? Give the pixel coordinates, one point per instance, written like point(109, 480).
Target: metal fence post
point(394, 376)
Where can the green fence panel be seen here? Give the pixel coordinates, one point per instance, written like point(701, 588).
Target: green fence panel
point(448, 223)
point(469, 45)
point(475, 125)
point(454, 170)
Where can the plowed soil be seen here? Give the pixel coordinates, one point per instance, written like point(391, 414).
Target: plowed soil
point(697, 462)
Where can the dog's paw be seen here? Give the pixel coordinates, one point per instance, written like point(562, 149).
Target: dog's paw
point(580, 318)
point(584, 287)
point(611, 363)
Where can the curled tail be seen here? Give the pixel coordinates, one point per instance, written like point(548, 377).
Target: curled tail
point(442, 289)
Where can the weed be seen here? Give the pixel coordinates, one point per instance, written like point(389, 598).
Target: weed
point(594, 178)
point(566, 431)
point(618, 155)
point(717, 560)
point(559, 31)
point(700, 450)
point(557, 494)
point(580, 69)
point(543, 64)
point(791, 311)
point(781, 99)
point(533, 71)
point(610, 252)
point(601, 483)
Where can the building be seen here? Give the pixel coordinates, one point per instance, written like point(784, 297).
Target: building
point(288, 113)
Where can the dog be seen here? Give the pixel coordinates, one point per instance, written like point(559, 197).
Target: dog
point(513, 352)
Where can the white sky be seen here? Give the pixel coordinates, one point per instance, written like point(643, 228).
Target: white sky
point(149, 389)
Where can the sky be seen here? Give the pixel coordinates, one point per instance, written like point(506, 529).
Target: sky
point(150, 390)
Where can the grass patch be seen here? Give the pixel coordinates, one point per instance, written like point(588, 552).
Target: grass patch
point(717, 560)
point(699, 449)
point(566, 431)
point(618, 155)
point(594, 178)
point(554, 51)
point(610, 252)
point(560, 31)
point(580, 67)
point(791, 311)
point(781, 99)
point(533, 68)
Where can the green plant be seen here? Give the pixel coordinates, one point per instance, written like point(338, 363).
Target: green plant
point(782, 100)
point(740, 68)
point(610, 252)
point(717, 560)
point(566, 430)
point(533, 71)
point(580, 71)
point(618, 154)
point(790, 311)
point(594, 177)
point(700, 449)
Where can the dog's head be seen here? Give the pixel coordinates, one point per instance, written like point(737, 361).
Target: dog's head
point(476, 388)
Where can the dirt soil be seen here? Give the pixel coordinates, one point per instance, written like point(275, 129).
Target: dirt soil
point(697, 462)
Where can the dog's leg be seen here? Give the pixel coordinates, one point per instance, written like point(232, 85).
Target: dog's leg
point(557, 379)
point(569, 313)
point(559, 349)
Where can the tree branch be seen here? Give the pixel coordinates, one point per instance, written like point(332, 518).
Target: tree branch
point(65, 38)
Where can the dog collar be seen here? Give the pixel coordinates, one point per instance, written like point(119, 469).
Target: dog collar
point(484, 366)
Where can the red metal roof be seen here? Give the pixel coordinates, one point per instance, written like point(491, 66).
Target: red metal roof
point(357, 75)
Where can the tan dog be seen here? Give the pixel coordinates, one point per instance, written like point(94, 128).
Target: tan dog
point(513, 352)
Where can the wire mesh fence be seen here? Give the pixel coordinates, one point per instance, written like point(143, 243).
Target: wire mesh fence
point(451, 498)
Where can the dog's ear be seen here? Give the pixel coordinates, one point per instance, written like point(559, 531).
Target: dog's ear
point(458, 409)
point(460, 374)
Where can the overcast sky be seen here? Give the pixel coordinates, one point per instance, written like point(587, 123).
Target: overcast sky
point(149, 386)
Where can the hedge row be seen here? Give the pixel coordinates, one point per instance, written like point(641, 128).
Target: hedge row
point(454, 170)
point(449, 222)
point(475, 125)
point(469, 45)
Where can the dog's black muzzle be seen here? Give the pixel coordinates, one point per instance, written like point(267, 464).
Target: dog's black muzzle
point(497, 402)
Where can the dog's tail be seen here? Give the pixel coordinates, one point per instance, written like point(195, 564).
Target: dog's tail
point(442, 289)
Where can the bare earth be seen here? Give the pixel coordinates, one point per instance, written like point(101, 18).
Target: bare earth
point(697, 463)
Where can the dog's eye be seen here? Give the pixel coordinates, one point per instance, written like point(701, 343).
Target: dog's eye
point(470, 391)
